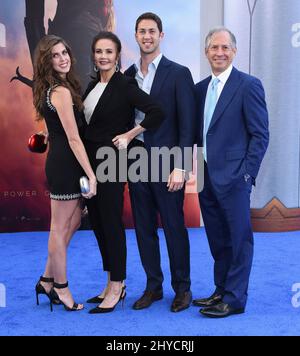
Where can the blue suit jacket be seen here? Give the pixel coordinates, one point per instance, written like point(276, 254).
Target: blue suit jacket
point(173, 89)
point(238, 135)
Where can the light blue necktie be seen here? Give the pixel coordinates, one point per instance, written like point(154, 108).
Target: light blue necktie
point(210, 105)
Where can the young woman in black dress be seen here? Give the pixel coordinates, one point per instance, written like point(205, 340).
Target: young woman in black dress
point(109, 105)
point(56, 96)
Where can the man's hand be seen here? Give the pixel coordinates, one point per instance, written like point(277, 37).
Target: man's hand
point(176, 180)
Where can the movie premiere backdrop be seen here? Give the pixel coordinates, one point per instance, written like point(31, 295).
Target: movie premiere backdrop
point(24, 198)
point(268, 35)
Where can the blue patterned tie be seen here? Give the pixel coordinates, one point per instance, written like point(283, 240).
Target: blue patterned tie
point(210, 105)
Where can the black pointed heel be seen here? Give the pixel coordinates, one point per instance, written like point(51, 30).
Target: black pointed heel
point(39, 289)
point(100, 310)
point(54, 296)
point(95, 300)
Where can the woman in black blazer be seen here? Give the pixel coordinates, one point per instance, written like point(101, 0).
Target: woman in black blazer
point(109, 102)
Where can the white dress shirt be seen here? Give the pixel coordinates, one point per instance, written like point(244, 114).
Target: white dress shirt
point(222, 80)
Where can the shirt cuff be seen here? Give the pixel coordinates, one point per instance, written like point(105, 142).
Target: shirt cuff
point(181, 170)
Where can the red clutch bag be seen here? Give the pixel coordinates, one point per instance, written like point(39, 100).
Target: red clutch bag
point(37, 143)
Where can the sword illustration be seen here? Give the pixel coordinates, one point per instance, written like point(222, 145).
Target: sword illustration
point(251, 9)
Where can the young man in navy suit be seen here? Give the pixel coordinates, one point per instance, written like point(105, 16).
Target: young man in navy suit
point(171, 85)
point(234, 135)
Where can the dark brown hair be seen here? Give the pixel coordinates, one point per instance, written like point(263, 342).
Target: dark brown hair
point(107, 35)
point(149, 16)
point(45, 76)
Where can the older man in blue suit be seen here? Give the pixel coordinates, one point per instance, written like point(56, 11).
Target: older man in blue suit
point(172, 86)
point(234, 135)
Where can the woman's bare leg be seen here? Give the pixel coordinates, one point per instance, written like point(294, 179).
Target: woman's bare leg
point(74, 226)
point(75, 223)
point(62, 213)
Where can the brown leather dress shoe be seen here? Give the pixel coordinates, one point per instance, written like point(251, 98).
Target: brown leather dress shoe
point(221, 310)
point(208, 302)
point(181, 301)
point(147, 299)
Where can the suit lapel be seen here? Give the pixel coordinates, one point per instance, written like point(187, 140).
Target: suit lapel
point(201, 103)
point(229, 90)
point(131, 71)
point(90, 87)
point(104, 98)
point(160, 76)
point(202, 97)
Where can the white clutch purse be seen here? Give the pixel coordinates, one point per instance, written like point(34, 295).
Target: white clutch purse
point(84, 185)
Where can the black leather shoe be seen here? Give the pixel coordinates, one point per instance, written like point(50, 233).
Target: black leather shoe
point(181, 301)
point(147, 299)
point(221, 310)
point(214, 299)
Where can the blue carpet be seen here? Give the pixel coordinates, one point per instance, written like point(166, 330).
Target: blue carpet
point(269, 311)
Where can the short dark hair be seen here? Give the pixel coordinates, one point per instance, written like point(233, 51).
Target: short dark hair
point(149, 16)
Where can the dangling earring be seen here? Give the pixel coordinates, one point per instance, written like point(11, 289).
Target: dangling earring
point(96, 69)
point(117, 68)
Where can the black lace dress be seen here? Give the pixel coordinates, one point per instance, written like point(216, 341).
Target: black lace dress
point(63, 171)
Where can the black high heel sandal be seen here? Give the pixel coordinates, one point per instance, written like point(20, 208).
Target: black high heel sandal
point(54, 296)
point(39, 289)
point(100, 310)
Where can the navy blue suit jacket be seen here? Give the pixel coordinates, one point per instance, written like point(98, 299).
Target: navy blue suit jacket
point(173, 89)
point(238, 135)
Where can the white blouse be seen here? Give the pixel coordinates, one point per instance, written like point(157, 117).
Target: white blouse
point(92, 100)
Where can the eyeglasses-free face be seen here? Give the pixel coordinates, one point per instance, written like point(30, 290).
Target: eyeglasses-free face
point(148, 37)
point(61, 60)
point(105, 55)
point(220, 52)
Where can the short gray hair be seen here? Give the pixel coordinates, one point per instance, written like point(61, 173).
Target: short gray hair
point(217, 30)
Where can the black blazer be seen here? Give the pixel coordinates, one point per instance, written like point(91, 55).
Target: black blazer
point(115, 112)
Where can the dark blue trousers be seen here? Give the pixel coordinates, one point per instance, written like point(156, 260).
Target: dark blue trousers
point(147, 200)
point(228, 227)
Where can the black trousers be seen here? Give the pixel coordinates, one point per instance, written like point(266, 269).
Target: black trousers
point(105, 214)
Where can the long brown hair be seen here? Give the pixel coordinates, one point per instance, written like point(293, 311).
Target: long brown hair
point(45, 76)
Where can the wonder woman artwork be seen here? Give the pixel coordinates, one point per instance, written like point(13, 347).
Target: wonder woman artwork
point(75, 21)
point(24, 202)
point(24, 198)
